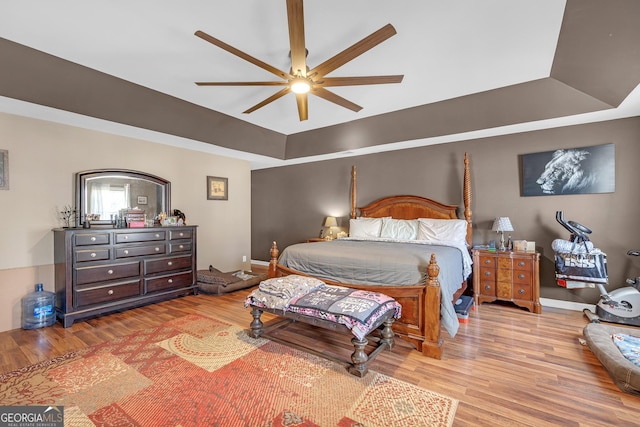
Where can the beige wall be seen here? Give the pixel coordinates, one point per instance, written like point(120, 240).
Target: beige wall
point(43, 158)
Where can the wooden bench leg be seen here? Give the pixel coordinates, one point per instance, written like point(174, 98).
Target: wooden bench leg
point(359, 358)
point(256, 325)
point(387, 333)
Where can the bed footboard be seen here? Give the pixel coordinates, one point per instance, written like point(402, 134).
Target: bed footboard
point(420, 321)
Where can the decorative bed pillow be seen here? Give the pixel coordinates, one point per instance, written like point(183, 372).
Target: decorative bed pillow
point(365, 227)
point(403, 229)
point(442, 230)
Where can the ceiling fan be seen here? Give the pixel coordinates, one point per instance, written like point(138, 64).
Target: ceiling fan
point(302, 80)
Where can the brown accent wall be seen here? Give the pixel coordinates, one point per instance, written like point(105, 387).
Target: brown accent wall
point(289, 203)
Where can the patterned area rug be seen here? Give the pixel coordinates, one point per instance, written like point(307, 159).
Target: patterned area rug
point(198, 371)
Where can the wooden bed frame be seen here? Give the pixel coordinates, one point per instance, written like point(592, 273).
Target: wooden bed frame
point(420, 321)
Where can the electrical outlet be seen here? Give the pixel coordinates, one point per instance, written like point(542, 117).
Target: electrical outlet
point(244, 258)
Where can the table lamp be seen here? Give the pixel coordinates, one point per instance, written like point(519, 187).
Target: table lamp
point(330, 222)
point(502, 224)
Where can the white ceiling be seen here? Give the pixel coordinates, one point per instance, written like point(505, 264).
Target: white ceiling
point(445, 49)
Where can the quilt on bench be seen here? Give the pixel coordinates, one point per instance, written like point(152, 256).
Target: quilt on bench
point(356, 309)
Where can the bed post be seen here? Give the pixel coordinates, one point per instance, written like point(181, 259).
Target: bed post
point(273, 263)
point(353, 192)
point(432, 345)
point(467, 199)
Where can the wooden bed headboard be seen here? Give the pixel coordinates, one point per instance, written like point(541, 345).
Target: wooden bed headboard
point(414, 207)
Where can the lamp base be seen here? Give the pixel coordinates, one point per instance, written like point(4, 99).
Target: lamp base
point(502, 248)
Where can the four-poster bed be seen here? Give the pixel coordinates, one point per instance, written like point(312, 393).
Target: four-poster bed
point(425, 302)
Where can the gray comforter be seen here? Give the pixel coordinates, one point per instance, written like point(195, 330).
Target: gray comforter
point(382, 263)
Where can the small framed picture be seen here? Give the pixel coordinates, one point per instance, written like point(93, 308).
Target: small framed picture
point(4, 169)
point(217, 188)
point(142, 200)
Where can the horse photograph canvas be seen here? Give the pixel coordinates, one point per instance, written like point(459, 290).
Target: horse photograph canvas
point(564, 171)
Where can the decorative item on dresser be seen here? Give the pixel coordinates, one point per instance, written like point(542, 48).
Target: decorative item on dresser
point(500, 225)
point(102, 270)
point(507, 276)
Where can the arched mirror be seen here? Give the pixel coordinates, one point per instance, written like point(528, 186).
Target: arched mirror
point(102, 194)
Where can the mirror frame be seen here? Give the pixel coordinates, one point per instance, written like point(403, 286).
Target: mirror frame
point(81, 181)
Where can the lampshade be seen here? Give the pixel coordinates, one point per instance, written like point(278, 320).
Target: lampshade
point(331, 222)
point(502, 223)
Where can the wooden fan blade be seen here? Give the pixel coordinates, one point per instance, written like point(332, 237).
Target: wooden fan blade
point(332, 97)
point(353, 51)
point(354, 81)
point(303, 106)
point(269, 100)
point(283, 83)
point(241, 54)
point(295, 15)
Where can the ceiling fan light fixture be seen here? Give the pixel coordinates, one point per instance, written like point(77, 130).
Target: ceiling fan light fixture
point(300, 85)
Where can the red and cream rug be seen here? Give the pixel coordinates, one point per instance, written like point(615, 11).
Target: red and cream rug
point(198, 371)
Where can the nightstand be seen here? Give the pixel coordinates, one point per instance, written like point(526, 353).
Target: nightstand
point(316, 239)
point(507, 276)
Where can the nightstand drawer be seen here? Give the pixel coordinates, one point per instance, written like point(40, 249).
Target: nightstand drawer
point(521, 277)
point(522, 292)
point(487, 288)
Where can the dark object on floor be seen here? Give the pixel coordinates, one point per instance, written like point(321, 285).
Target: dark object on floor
point(624, 373)
point(214, 281)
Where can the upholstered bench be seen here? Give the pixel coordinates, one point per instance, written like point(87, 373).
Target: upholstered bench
point(214, 281)
point(311, 301)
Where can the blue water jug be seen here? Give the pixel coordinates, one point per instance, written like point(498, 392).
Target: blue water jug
point(38, 309)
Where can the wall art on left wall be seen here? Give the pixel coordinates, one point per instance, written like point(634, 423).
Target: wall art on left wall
point(4, 169)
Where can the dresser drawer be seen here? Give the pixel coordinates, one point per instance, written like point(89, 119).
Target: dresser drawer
point(180, 234)
point(179, 247)
point(85, 255)
point(522, 277)
point(522, 291)
point(131, 251)
point(173, 281)
point(140, 237)
point(152, 266)
point(92, 239)
point(487, 288)
point(486, 261)
point(107, 293)
point(101, 273)
point(522, 264)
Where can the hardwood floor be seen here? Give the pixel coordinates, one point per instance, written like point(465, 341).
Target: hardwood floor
point(506, 366)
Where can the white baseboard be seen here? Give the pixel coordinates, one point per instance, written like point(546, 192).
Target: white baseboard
point(567, 305)
point(258, 262)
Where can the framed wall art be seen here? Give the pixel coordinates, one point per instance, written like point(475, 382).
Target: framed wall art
point(583, 170)
point(142, 200)
point(4, 169)
point(217, 188)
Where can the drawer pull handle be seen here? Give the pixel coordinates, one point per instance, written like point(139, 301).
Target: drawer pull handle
point(487, 273)
point(110, 292)
point(93, 254)
point(157, 249)
point(110, 272)
point(521, 276)
point(487, 261)
point(521, 264)
point(93, 238)
point(181, 234)
point(126, 237)
point(181, 246)
point(169, 263)
point(487, 287)
point(170, 280)
point(521, 291)
point(157, 235)
point(126, 251)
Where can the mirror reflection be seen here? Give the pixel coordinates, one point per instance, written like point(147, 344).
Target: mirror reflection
point(104, 195)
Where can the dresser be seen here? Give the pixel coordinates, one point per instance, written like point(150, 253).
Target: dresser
point(102, 270)
point(507, 276)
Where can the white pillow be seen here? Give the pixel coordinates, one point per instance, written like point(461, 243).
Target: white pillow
point(405, 229)
point(365, 227)
point(442, 230)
